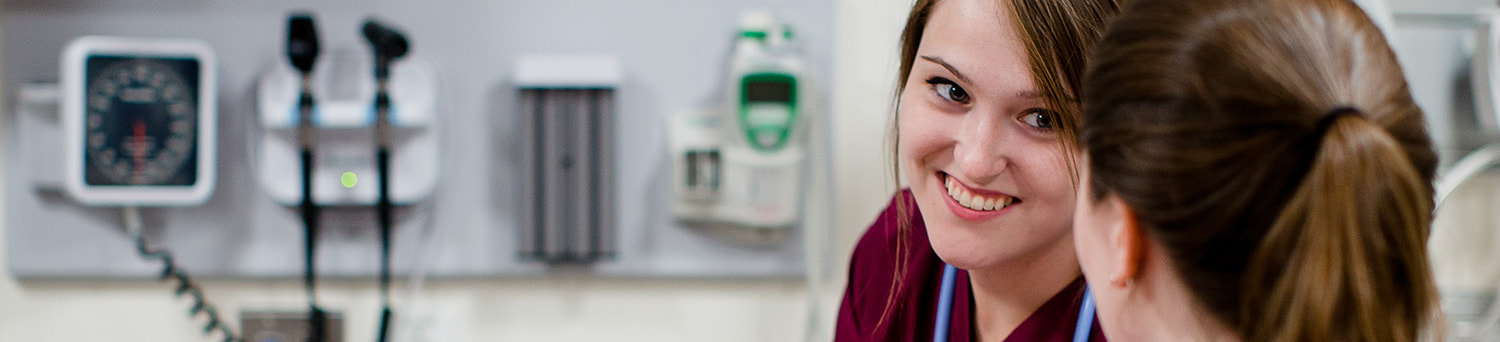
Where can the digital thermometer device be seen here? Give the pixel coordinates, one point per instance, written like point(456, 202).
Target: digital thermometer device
point(139, 121)
point(768, 109)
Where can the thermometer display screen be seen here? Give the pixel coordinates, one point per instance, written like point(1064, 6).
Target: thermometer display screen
point(764, 91)
point(140, 121)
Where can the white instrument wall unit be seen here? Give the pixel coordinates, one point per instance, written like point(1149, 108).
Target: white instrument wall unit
point(743, 162)
point(717, 182)
point(344, 91)
point(165, 88)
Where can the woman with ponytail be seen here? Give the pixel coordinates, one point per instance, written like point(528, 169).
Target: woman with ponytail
point(1254, 170)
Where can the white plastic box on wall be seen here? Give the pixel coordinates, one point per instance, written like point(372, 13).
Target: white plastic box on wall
point(344, 91)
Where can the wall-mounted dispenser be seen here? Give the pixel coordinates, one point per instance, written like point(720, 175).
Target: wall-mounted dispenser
point(345, 120)
point(567, 115)
point(741, 162)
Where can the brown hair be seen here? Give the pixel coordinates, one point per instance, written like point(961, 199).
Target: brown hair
point(1057, 35)
point(1273, 149)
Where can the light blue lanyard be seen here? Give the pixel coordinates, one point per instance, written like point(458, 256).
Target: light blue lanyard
point(945, 309)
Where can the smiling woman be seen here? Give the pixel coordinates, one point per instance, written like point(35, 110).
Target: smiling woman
point(986, 111)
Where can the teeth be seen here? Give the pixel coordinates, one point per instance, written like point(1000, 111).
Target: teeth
point(973, 201)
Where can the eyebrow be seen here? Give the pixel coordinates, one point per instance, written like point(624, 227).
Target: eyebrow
point(950, 67)
point(1028, 94)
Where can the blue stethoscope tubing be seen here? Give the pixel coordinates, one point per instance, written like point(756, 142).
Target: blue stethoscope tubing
point(945, 304)
point(1085, 325)
point(1081, 332)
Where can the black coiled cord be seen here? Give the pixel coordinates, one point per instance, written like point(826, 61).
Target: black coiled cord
point(185, 285)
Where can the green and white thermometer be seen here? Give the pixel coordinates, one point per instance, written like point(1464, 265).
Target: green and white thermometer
point(741, 163)
point(768, 109)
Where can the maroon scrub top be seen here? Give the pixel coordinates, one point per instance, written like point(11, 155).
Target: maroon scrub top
point(872, 273)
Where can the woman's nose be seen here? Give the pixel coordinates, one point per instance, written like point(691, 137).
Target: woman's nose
point(979, 151)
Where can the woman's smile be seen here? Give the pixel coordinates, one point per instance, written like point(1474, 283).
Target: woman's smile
point(975, 204)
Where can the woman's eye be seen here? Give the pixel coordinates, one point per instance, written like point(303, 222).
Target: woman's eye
point(949, 91)
point(1040, 118)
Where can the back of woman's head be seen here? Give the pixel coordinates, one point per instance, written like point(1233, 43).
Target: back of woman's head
point(1272, 148)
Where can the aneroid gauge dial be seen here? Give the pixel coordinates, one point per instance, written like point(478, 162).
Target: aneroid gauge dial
point(141, 121)
point(139, 118)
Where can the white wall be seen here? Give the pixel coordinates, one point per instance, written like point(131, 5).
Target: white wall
point(559, 308)
point(865, 65)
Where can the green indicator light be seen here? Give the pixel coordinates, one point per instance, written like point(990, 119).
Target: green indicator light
point(349, 179)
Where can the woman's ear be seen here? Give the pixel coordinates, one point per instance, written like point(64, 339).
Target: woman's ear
point(1126, 241)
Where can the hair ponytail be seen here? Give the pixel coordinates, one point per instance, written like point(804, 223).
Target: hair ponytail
point(1351, 236)
point(1199, 116)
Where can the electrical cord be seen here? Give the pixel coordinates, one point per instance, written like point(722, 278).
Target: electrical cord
point(309, 209)
point(388, 45)
point(383, 206)
point(302, 51)
point(386, 222)
point(428, 240)
point(170, 271)
point(430, 235)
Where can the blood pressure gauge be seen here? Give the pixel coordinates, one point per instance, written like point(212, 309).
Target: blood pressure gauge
point(139, 115)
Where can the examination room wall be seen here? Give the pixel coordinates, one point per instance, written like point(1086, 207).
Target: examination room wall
point(585, 308)
point(554, 308)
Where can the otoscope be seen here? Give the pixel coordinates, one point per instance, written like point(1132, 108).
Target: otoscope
point(388, 45)
point(302, 50)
